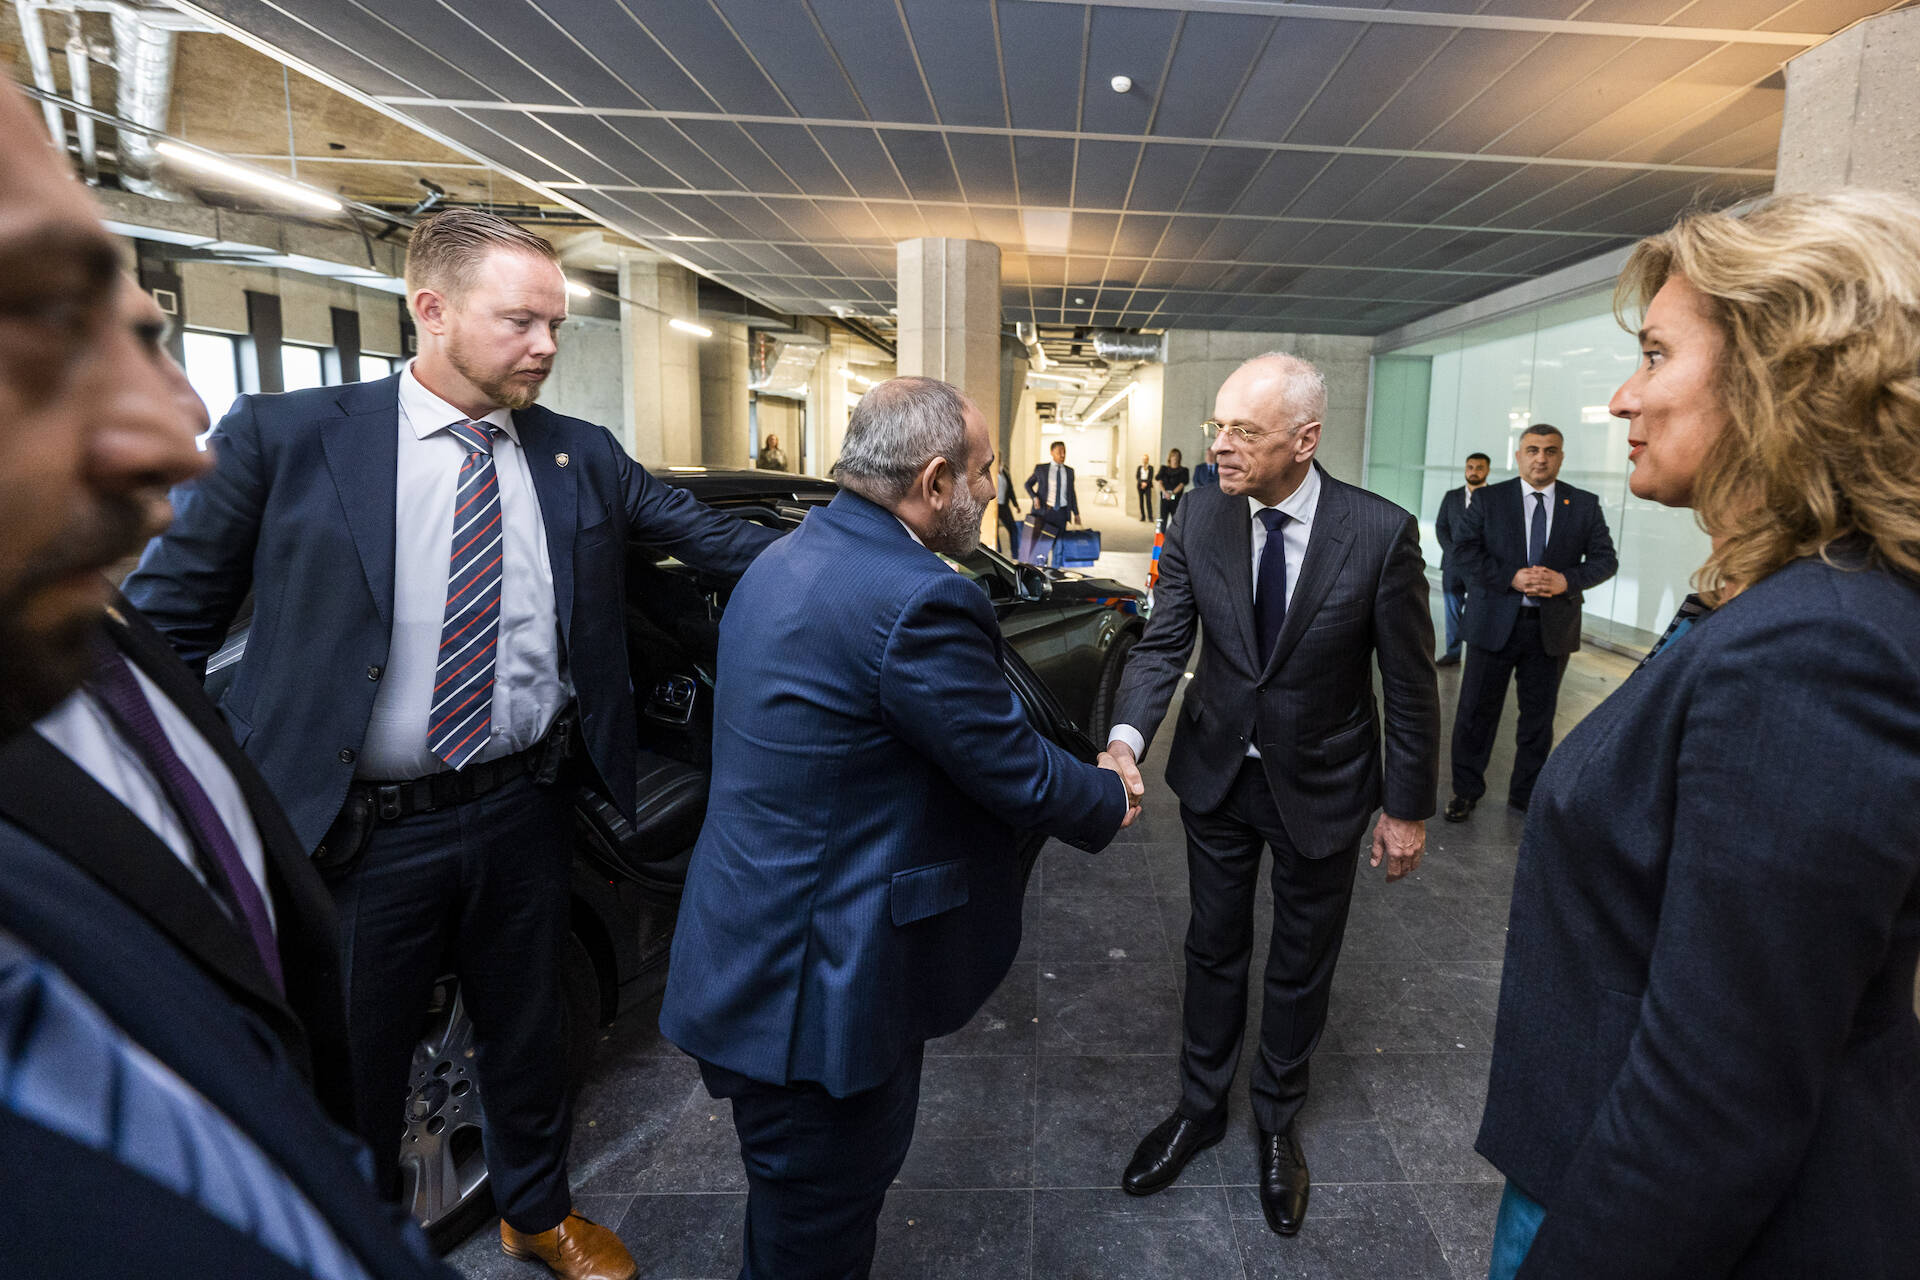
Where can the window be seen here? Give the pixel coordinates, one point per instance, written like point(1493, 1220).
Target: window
point(213, 367)
point(372, 367)
point(299, 367)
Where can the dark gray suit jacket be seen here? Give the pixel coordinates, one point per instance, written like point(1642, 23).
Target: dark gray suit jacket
point(1361, 594)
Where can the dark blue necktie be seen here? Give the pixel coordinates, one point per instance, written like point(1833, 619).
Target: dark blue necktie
point(1537, 529)
point(461, 722)
point(1270, 589)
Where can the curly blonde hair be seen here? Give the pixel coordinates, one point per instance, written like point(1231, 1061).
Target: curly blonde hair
point(1818, 300)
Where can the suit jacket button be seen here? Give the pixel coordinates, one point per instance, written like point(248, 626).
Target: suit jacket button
point(346, 755)
point(373, 673)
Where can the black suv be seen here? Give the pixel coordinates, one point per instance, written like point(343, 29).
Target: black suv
point(1068, 638)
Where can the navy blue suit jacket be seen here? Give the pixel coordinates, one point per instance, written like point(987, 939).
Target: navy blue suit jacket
point(1446, 528)
point(1706, 1062)
point(1036, 487)
point(1490, 546)
point(299, 509)
point(856, 889)
point(166, 1004)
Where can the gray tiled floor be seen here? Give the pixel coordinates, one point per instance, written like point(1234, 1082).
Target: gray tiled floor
point(1028, 1115)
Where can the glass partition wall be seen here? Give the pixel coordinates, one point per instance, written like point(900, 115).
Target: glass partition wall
point(1478, 389)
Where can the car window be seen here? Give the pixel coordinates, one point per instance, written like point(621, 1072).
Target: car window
point(979, 568)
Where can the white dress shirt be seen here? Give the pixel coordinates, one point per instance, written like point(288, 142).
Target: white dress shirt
point(1300, 506)
point(1526, 527)
point(529, 685)
point(1056, 480)
point(83, 732)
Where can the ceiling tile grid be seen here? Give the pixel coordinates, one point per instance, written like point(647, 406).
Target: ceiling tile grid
point(1341, 172)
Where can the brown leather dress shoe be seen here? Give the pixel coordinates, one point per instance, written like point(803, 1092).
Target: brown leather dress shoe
point(578, 1249)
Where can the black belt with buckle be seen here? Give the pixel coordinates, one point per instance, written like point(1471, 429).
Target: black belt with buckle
point(391, 801)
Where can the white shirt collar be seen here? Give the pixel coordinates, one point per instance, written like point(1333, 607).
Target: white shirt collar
point(909, 529)
point(1526, 487)
point(1298, 505)
point(427, 413)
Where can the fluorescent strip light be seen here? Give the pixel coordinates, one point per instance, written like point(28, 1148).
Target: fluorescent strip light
point(852, 376)
point(578, 290)
point(247, 176)
point(1107, 408)
point(688, 326)
point(1058, 377)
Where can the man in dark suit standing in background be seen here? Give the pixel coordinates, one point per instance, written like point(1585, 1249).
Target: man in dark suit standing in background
point(437, 571)
point(1296, 584)
point(855, 891)
point(1050, 488)
point(1446, 527)
point(168, 968)
point(1528, 548)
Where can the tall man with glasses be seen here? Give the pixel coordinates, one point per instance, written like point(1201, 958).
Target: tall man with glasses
point(436, 565)
point(1296, 584)
point(1528, 548)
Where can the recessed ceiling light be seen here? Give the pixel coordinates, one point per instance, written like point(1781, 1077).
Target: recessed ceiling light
point(1079, 302)
point(1121, 83)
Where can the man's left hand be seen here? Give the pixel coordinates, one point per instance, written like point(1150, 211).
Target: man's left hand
point(1547, 582)
point(1401, 842)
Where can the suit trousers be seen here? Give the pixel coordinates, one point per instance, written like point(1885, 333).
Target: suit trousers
point(1483, 694)
point(478, 890)
point(818, 1168)
point(1310, 901)
point(1012, 527)
point(1146, 503)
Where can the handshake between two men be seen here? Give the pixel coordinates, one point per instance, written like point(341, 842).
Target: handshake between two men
point(856, 892)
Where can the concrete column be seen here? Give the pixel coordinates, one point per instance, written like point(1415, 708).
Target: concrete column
point(724, 434)
point(1852, 104)
point(949, 303)
point(662, 363)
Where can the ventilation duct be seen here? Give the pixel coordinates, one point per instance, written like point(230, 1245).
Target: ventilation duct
point(781, 364)
point(1125, 348)
point(143, 59)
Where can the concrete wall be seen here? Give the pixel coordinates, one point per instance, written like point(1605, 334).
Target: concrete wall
point(587, 379)
point(661, 364)
point(724, 434)
point(1851, 109)
point(1198, 361)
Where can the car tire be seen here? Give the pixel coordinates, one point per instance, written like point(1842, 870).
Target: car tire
point(443, 1168)
point(1108, 692)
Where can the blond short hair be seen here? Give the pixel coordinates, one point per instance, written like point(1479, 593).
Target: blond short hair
point(1818, 300)
point(446, 251)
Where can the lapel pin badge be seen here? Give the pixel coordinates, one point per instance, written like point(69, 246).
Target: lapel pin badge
point(560, 459)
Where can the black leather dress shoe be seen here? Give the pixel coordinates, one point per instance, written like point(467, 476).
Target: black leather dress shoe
point(1458, 809)
point(1283, 1181)
point(1162, 1154)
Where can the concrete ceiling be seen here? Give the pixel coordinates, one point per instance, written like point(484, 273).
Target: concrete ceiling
point(1327, 168)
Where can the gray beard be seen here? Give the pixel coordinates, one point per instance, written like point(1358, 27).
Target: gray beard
point(958, 532)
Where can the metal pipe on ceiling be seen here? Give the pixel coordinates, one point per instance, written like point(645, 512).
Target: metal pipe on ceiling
point(143, 56)
point(1113, 346)
point(80, 83)
point(41, 60)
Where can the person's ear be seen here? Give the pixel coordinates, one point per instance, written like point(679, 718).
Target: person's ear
point(933, 479)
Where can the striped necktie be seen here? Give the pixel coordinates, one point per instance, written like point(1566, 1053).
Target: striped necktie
point(461, 720)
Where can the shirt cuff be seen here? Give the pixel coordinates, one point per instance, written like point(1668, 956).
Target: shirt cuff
point(1131, 736)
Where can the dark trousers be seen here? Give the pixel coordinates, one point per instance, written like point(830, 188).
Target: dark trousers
point(1012, 527)
point(1310, 900)
point(1168, 503)
point(1483, 693)
point(1146, 504)
point(478, 890)
point(1456, 605)
point(818, 1168)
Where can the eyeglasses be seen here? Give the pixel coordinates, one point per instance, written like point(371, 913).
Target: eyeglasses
point(1214, 428)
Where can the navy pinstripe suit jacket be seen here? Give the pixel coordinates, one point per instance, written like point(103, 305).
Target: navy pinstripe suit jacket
point(856, 889)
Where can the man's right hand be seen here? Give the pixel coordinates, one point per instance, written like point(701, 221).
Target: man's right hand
point(1129, 779)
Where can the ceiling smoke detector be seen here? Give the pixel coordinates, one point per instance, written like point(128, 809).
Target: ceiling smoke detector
point(1121, 84)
